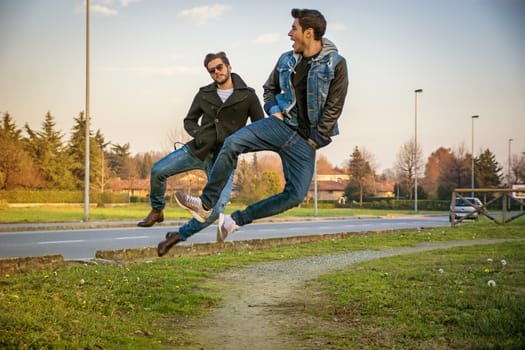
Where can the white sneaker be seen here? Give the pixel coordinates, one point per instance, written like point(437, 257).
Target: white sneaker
point(193, 205)
point(226, 226)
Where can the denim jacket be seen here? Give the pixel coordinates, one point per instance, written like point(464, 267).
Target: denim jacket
point(326, 91)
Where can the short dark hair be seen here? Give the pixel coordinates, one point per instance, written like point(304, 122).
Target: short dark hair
point(211, 56)
point(311, 19)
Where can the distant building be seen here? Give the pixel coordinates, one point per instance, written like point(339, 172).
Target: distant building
point(330, 185)
point(191, 182)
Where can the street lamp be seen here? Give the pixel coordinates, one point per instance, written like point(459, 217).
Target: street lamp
point(87, 134)
point(472, 156)
point(510, 166)
point(415, 148)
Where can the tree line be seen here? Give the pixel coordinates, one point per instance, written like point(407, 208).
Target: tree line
point(444, 170)
point(41, 159)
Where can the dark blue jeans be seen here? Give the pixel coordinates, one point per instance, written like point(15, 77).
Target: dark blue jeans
point(179, 161)
point(269, 134)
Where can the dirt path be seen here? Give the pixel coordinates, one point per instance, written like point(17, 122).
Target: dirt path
point(260, 302)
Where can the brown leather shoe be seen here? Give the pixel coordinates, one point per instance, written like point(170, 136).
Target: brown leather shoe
point(153, 217)
point(172, 238)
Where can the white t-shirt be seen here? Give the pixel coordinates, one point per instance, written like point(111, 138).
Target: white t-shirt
point(224, 94)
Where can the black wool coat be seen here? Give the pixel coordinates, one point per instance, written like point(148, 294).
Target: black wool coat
point(209, 121)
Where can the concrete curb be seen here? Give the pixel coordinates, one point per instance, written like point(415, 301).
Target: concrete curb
point(206, 249)
point(24, 265)
point(124, 256)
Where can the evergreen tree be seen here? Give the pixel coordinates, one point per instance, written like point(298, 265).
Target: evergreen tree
point(48, 152)
point(8, 128)
point(121, 163)
point(17, 169)
point(361, 175)
point(487, 170)
point(76, 150)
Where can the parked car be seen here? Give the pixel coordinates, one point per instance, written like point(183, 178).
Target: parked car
point(464, 207)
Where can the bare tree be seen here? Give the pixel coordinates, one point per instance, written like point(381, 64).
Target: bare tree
point(176, 138)
point(409, 160)
point(518, 168)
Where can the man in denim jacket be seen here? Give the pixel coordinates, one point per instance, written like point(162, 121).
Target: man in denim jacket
point(304, 97)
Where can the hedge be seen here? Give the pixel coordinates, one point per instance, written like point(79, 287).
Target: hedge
point(44, 196)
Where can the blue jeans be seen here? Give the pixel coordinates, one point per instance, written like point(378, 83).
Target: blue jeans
point(179, 161)
point(269, 134)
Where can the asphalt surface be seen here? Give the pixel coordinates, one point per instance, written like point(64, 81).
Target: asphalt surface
point(81, 240)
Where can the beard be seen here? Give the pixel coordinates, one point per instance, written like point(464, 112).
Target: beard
point(221, 80)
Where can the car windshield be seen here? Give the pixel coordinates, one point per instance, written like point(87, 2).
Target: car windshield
point(464, 202)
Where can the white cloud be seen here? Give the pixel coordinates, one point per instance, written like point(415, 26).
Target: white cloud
point(126, 3)
point(202, 14)
point(269, 38)
point(103, 10)
point(106, 7)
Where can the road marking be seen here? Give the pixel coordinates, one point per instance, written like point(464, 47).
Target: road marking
point(132, 237)
point(62, 242)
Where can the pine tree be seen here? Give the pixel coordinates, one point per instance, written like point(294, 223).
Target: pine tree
point(76, 150)
point(17, 169)
point(487, 170)
point(48, 152)
point(361, 173)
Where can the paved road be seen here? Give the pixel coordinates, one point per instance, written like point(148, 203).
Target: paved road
point(82, 244)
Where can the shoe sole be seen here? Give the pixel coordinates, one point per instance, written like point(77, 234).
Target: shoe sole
point(220, 235)
point(192, 212)
point(158, 221)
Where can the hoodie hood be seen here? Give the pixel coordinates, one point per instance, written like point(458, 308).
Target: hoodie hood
point(328, 48)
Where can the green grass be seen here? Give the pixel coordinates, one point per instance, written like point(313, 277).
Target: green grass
point(440, 299)
point(401, 302)
point(138, 211)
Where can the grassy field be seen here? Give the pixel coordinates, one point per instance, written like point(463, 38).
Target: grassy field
point(139, 211)
point(461, 298)
point(437, 300)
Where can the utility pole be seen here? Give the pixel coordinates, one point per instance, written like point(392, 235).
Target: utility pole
point(86, 161)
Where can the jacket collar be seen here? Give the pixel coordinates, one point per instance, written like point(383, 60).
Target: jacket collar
point(328, 47)
point(238, 83)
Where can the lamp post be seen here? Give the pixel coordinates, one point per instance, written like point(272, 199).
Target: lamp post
point(86, 160)
point(509, 182)
point(415, 147)
point(472, 156)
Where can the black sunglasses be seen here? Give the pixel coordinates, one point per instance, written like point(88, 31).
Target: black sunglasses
point(218, 68)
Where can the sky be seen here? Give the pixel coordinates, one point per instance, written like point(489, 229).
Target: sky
point(146, 65)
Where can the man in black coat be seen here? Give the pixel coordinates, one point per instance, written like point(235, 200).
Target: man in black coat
point(218, 110)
